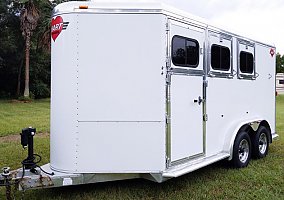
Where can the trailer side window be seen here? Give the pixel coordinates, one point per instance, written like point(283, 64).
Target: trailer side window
point(246, 62)
point(185, 52)
point(220, 57)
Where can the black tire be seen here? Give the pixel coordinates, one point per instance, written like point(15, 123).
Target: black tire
point(241, 150)
point(260, 143)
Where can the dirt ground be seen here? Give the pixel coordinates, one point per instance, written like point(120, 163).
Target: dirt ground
point(13, 138)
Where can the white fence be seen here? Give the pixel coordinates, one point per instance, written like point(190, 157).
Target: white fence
point(280, 83)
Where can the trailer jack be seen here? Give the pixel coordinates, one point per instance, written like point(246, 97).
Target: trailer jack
point(31, 175)
point(28, 142)
point(20, 177)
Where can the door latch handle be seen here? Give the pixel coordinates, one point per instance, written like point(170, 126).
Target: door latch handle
point(199, 100)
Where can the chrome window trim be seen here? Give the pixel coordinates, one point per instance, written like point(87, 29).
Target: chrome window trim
point(185, 66)
point(184, 70)
point(219, 73)
point(187, 72)
point(241, 75)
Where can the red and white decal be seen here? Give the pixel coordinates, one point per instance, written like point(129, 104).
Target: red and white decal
point(57, 25)
point(272, 52)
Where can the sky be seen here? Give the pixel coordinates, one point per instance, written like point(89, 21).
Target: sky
point(261, 20)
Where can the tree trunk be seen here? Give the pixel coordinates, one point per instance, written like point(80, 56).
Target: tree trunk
point(27, 68)
point(19, 77)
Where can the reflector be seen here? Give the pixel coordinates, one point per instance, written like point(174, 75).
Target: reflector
point(83, 7)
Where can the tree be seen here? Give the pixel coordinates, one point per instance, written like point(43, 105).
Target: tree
point(279, 63)
point(11, 47)
point(17, 20)
point(29, 19)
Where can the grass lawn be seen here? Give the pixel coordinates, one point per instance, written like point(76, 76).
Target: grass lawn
point(15, 115)
point(262, 179)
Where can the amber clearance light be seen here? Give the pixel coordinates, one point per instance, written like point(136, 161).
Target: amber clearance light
point(83, 7)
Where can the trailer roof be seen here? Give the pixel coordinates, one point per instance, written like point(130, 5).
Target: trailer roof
point(128, 6)
point(140, 6)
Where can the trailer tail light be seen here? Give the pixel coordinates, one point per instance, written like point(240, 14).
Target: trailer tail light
point(83, 7)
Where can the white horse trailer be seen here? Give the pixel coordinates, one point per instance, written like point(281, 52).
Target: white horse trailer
point(143, 90)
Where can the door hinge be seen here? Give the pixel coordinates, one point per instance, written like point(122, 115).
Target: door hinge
point(168, 79)
point(168, 162)
point(168, 62)
point(205, 83)
point(168, 119)
point(205, 117)
point(167, 26)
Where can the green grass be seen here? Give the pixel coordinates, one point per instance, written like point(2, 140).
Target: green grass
point(280, 114)
point(15, 115)
point(262, 179)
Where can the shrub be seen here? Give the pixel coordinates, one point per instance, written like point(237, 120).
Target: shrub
point(40, 90)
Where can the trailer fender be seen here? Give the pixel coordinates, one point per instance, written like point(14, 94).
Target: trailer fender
point(241, 125)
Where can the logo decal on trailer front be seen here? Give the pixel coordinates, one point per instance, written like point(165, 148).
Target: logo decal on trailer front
point(272, 52)
point(57, 25)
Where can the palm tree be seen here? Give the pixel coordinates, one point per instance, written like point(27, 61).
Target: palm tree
point(29, 19)
point(44, 34)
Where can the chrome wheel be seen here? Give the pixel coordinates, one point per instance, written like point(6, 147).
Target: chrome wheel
point(262, 143)
point(243, 150)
